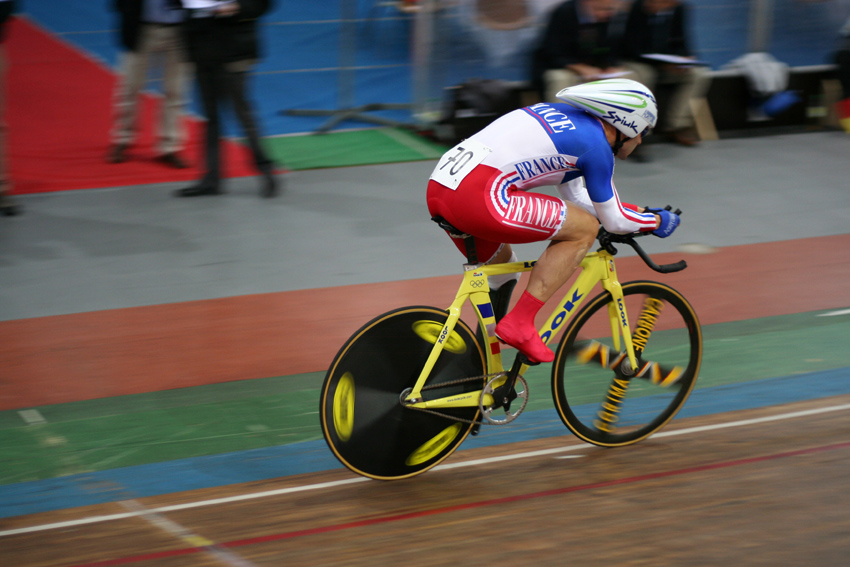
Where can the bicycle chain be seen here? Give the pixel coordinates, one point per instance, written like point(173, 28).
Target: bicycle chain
point(485, 377)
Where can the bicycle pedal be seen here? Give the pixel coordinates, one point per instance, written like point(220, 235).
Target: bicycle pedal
point(476, 427)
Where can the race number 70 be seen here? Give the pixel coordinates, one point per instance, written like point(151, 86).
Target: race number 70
point(458, 162)
point(460, 159)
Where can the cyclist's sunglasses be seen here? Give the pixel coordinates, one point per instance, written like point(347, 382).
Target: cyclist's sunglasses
point(646, 133)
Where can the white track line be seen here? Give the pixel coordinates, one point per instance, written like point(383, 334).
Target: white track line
point(834, 313)
point(32, 417)
point(472, 463)
point(182, 533)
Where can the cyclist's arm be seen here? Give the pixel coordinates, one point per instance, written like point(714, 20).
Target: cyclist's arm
point(597, 165)
point(573, 190)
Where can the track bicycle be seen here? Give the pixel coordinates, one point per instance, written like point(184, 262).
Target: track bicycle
point(409, 386)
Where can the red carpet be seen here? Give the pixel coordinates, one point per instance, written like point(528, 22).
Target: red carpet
point(59, 113)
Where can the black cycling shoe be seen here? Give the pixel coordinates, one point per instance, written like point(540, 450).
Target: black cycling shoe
point(198, 191)
point(8, 206)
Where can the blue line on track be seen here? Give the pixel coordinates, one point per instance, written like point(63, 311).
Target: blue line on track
point(314, 456)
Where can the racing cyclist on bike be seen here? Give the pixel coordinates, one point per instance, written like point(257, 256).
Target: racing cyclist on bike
point(480, 186)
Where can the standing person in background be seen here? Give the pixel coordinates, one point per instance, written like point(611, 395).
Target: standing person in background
point(659, 27)
point(150, 28)
point(8, 206)
point(842, 59)
point(579, 45)
point(222, 39)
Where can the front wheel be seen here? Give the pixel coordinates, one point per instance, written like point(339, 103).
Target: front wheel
point(599, 397)
point(363, 420)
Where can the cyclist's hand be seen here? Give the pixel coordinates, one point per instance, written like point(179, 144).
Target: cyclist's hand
point(669, 221)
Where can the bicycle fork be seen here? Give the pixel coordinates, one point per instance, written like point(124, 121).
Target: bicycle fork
point(625, 365)
point(628, 364)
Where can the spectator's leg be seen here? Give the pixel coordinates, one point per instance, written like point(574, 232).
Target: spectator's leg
point(644, 74)
point(8, 206)
point(4, 126)
point(236, 81)
point(842, 59)
point(134, 73)
point(556, 79)
point(211, 85)
point(175, 74)
point(236, 84)
point(693, 84)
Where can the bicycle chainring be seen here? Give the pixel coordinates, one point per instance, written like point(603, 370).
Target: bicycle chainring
point(520, 390)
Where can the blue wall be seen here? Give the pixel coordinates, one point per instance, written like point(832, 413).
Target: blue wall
point(302, 50)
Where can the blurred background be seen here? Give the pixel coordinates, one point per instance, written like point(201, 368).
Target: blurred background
point(356, 52)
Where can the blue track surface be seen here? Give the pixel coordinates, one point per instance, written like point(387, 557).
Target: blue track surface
point(314, 456)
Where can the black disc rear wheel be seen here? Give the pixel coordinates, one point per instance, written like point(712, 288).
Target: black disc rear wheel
point(363, 420)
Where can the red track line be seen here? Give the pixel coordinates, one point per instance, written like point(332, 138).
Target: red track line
point(468, 506)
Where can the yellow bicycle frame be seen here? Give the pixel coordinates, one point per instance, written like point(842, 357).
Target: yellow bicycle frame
point(597, 267)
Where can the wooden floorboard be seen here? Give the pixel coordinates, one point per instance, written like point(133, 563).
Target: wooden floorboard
point(770, 493)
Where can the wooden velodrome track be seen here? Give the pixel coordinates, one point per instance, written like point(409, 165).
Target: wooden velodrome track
point(766, 486)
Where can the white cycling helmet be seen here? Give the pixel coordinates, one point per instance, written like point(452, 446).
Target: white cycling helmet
point(625, 104)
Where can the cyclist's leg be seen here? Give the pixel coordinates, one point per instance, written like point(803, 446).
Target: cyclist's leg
point(502, 285)
point(555, 266)
point(563, 256)
point(486, 205)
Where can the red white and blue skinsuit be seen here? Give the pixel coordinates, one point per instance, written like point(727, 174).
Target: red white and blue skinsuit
point(543, 144)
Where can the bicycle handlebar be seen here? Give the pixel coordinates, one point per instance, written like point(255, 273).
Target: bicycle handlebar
point(606, 238)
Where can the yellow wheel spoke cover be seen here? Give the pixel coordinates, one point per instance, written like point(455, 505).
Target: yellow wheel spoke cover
point(433, 446)
point(344, 407)
point(431, 331)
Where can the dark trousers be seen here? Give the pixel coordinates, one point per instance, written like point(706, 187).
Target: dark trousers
point(842, 59)
point(219, 85)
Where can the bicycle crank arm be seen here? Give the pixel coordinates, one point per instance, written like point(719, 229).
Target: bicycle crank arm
point(506, 393)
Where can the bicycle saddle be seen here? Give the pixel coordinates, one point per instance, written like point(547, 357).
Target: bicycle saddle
point(450, 228)
point(454, 232)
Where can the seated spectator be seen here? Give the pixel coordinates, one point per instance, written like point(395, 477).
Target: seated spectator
point(658, 27)
point(578, 45)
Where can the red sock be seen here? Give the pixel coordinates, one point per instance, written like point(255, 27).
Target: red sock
point(517, 329)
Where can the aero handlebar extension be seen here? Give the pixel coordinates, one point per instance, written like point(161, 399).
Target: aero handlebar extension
point(606, 240)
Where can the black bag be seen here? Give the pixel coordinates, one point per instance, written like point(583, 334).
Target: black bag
point(474, 104)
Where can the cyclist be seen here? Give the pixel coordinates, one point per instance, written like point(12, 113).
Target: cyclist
point(480, 185)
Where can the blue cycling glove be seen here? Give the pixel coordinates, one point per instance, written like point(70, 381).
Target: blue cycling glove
point(669, 222)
